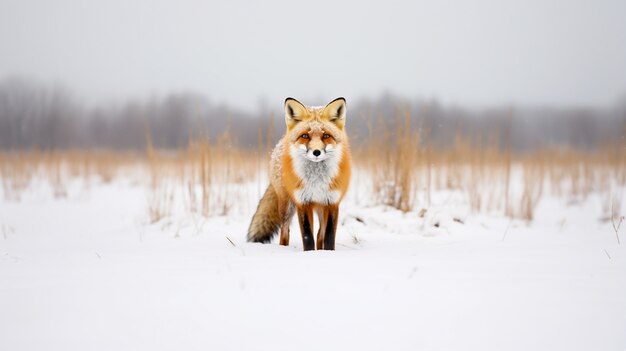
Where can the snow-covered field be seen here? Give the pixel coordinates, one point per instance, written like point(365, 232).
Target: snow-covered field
point(88, 272)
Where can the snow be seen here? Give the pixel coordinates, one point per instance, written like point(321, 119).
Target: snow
point(88, 272)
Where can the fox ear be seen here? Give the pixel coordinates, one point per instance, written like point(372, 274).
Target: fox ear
point(335, 111)
point(294, 111)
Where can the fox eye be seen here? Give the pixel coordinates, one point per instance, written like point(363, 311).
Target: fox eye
point(304, 136)
point(326, 136)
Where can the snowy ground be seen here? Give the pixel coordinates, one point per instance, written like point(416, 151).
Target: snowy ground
point(88, 273)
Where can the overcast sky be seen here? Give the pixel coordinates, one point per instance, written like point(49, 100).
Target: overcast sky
point(476, 53)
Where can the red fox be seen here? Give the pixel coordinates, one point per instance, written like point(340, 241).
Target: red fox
point(309, 171)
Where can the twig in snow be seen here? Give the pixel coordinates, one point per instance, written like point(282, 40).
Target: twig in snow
point(607, 254)
point(356, 218)
point(230, 241)
point(616, 227)
point(506, 230)
point(243, 253)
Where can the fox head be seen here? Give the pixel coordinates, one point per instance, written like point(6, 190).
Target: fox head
point(316, 133)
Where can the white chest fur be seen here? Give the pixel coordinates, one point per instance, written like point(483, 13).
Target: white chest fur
point(316, 176)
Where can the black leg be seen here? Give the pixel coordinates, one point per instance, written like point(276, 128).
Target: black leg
point(331, 228)
point(305, 217)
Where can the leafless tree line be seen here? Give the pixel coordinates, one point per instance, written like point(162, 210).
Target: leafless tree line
point(36, 116)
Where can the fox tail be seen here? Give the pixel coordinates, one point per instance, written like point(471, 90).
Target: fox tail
point(266, 220)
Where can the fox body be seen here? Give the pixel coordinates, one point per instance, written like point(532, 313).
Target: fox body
point(309, 173)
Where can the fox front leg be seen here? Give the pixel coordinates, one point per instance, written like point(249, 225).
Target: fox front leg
point(305, 217)
point(322, 214)
point(332, 214)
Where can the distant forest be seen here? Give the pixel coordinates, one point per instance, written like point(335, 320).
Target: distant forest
point(34, 116)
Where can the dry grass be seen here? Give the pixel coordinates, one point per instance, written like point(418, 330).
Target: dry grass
point(405, 169)
point(21, 170)
point(392, 161)
point(214, 174)
point(212, 178)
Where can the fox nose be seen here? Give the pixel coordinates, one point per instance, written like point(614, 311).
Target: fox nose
point(316, 153)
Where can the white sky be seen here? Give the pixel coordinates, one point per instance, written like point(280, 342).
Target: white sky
point(474, 53)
